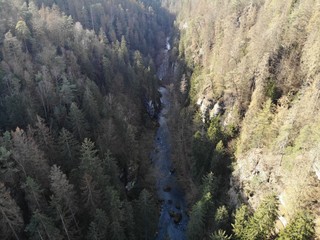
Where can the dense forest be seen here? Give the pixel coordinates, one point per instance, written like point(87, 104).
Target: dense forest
point(75, 79)
point(79, 105)
point(249, 117)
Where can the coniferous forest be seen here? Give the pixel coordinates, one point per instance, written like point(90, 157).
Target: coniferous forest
point(159, 119)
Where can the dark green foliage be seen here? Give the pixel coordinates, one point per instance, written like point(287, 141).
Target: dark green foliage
point(259, 225)
point(197, 222)
point(91, 164)
point(209, 184)
point(114, 207)
point(61, 83)
point(214, 131)
point(130, 221)
point(42, 227)
point(201, 151)
point(78, 122)
point(241, 221)
point(221, 218)
point(146, 216)
point(272, 91)
point(98, 227)
point(301, 227)
point(68, 150)
point(33, 193)
point(219, 161)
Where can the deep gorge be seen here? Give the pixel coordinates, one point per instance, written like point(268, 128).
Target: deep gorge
point(149, 119)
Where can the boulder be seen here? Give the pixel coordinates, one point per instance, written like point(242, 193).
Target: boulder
point(177, 217)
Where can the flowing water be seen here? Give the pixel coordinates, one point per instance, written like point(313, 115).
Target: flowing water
point(173, 218)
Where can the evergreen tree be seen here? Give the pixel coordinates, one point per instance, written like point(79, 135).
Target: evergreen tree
point(301, 227)
point(260, 225)
point(78, 122)
point(42, 227)
point(44, 138)
point(33, 193)
point(7, 165)
point(241, 221)
point(11, 221)
point(90, 193)
point(201, 152)
point(91, 163)
point(90, 106)
point(98, 229)
point(29, 158)
point(197, 222)
point(220, 235)
point(221, 218)
point(130, 221)
point(145, 216)
point(209, 184)
point(114, 207)
point(214, 132)
point(63, 202)
point(68, 150)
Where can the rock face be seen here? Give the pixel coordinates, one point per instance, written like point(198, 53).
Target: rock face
point(217, 109)
point(205, 106)
point(209, 108)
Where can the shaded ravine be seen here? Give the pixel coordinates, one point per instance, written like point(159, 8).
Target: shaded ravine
point(173, 218)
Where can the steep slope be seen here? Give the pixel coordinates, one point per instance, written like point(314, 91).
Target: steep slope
point(255, 65)
point(78, 99)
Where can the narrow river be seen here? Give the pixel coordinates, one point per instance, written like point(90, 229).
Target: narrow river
point(173, 219)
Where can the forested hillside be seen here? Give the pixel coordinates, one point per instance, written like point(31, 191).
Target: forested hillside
point(76, 78)
point(83, 122)
point(248, 100)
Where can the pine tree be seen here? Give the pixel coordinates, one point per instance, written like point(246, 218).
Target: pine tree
point(91, 163)
point(7, 165)
point(68, 150)
point(201, 151)
point(67, 92)
point(130, 221)
point(220, 235)
point(78, 122)
point(23, 32)
point(11, 221)
point(221, 218)
point(114, 207)
point(29, 158)
point(90, 105)
point(197, 222)
point(146, 216)
point(111, 169)
point(301, 227)
point(260, 225)
point(214, 131)
point(90, 193)
point(98, 229)
point(33, 193)
point(44, 139)
point(42, 227)
point(209, 184)
point(241, 221)
point(63, 202)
